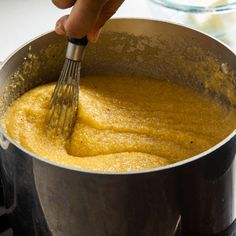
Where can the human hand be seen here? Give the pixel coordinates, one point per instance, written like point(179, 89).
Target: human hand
point(86, 18)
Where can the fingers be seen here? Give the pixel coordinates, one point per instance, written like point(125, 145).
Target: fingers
point(63, 4)
point(86, 18)
point(108, 10)
point(81, 19)
point(59, 28)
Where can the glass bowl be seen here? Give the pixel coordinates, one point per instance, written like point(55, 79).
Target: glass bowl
point(214, 17)
point(199, 5)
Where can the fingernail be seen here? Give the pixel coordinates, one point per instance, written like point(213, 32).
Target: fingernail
point(59, 29)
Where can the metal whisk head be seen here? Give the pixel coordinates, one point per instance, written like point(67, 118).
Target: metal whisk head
point(64, 100)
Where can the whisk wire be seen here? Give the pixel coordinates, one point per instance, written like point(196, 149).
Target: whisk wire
point(68, 93)
point(64, 100)
point(62, 95)
point(75, 93)
point(60, 81)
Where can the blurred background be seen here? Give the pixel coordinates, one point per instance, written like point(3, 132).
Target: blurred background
point(22, 20)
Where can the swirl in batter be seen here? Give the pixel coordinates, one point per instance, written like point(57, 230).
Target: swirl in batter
point(124, 124)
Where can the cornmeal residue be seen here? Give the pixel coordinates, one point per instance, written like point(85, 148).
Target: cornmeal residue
point(124, 124)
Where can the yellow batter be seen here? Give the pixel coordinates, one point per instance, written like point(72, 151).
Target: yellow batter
point(124, 124)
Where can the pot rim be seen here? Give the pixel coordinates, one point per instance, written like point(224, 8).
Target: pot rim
point(137, 172)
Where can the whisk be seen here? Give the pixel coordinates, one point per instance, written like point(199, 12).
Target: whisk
point(64, 100)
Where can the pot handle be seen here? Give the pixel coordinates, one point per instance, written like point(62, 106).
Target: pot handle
point(4, 218)
point(7, 198)
point(7, 203)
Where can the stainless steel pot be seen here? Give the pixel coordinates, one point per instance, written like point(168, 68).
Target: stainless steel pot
point(192, 197)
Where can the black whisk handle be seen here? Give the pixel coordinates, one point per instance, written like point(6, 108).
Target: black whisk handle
point(82, 41)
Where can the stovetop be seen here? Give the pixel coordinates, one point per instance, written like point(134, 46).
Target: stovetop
point(5, 229)
point(231, 231)
point(8, 232)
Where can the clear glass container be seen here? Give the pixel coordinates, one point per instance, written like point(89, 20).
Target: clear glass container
point(214, 17)
point(199, 5)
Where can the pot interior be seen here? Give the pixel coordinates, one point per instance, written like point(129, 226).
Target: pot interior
point(134, 47)
point(151, 49)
